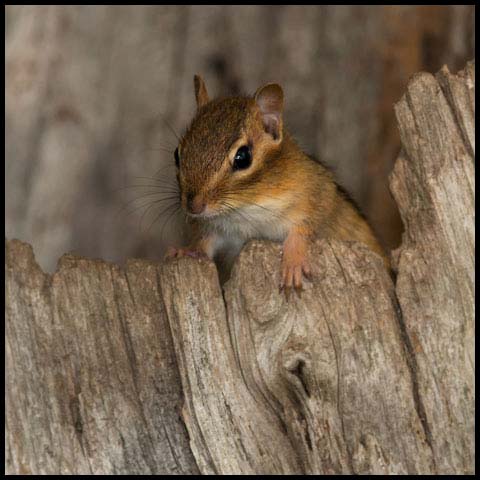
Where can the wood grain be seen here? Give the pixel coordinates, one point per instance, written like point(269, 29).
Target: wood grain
point(433, 184)
point(92, 383)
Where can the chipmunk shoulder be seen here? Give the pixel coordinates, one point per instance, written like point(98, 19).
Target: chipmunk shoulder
point(243, 176)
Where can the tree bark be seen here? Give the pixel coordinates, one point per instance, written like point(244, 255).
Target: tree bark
point(92, 384)
point(433, 184)
point(156, 369)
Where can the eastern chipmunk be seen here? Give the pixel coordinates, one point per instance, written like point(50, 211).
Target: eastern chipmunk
point(242, 176)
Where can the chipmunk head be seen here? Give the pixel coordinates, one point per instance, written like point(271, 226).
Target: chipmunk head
point(227, 148)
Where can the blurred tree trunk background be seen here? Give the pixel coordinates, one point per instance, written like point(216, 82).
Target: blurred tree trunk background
point(94, 92)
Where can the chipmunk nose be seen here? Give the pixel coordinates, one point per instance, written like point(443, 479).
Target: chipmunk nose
point(195, 203)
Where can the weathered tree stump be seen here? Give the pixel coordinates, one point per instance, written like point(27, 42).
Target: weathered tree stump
point(155, 369)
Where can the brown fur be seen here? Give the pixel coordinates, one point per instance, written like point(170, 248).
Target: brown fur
point(303, 192)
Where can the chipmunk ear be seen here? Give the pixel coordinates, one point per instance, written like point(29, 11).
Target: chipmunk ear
point(201, 93)
point(269, 99)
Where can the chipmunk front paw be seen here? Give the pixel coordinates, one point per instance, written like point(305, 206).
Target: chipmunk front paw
point(174, 252)
point(294, 263)
point(292, 275)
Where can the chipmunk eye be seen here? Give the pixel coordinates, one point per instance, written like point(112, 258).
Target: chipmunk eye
point(177, 158)
point(243, 158)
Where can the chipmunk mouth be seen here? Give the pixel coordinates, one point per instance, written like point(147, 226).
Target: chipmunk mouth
point(208, 212)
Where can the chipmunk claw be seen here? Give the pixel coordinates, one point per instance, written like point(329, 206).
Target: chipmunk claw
point(292, 278)
point(286, 290)
point(171, 252)
point(307, 273)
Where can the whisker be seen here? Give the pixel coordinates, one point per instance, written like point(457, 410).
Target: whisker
point(162, 186)
point(160, 180)
point(169, 197)
point(160, 148)
point(142, 149)
point(242, 215)
point(165, 223)
point(165, 210)
point(150, 207)
point(169, 165)
point(149, 203)
point(171, 129)
point(274, 213)
point(140, 186)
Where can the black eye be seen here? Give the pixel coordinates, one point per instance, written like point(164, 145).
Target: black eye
point(243, 158)
point(177, 158)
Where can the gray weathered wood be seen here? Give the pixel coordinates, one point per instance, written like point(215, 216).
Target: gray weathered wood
point(433, 184)
point(231, 429)
point(331, 363)
point(359, 375)
point(92, 383)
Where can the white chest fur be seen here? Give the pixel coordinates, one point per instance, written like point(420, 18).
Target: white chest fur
point(252, 221)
